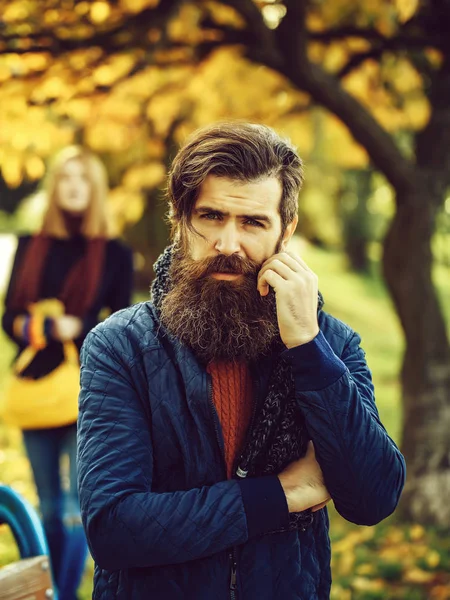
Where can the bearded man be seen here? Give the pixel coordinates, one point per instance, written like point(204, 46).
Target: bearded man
point(218, 420)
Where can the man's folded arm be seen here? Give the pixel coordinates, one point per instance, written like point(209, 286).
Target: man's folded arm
point(363, 469)
point(127, 524)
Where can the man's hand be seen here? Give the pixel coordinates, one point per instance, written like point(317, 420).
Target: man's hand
point(296, 289)
point(302, 482)
point(66, 328)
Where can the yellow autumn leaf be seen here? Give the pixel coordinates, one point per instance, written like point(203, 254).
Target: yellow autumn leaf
point(416, 532)
point(226, 15)
point(365, 569)
point(433, 559)
point(109, 136)
point(339, 593)
point(126, 206)
point(136, 6)
point(82, 8)
point(5, 73)
point(12, 170)
point(391, 118)
point(20, 139)
point(434, 56)
point(340, 148)
point(144, 176)
point(99, 12)
point(162, 110)
point(315, 21)
point(346, 563)
point(80, 59)
point(117, 67)
point(362, 584)
point(406, 9)
point(417, 111)
point(51, 87)
point(15, 11)
point(395, 535)
point(184, 27)
point(335, 57)
point(316, 52)
point(79, 109)
point(417, 575)
point(352, 539)
point(34, 167)
point(119, 109)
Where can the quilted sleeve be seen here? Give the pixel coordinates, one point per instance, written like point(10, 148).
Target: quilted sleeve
point(127, 525)
point(363, 469)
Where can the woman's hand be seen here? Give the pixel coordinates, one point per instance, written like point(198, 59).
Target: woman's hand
point(66, 328)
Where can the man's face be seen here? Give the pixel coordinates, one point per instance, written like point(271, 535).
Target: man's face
point(237, 218)
point(214, 306)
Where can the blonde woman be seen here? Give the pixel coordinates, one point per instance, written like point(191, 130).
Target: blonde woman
point(73, 263)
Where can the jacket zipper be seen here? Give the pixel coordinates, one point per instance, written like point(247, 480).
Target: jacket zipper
point(233, 576)
point(232, 554)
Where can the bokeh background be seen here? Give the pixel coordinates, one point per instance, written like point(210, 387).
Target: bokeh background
point(363, 89)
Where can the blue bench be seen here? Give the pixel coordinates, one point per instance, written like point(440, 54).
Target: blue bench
point(25, 525)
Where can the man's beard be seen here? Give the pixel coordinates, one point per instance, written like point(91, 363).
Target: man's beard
point(217, 319)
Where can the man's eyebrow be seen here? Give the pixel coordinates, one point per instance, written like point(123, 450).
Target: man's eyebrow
point(208, 209)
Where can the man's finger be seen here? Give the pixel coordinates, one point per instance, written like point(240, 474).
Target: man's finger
point(285, 258)
point(270, 278)
point(279, 267)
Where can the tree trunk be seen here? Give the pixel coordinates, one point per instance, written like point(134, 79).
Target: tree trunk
point(425, 373)
point(356, 219)
point(149, 236)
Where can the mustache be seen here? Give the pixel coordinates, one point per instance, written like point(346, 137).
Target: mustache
point(228, 264)
point(185, 268)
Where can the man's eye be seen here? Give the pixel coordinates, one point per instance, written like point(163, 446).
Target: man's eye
point(210, 216)
point(253, 223)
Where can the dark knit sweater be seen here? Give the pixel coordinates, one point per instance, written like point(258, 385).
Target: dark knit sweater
point(114, 291)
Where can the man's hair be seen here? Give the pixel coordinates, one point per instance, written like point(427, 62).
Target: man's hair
point(242, 151)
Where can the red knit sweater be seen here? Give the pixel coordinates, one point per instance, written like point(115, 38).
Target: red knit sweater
point(232, 395)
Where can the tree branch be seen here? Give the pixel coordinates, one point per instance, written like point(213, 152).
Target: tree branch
point(327, 91)
point(401, 40)
point(108, 39)
point(358, 59)
point(260, 43)
point(293, 62)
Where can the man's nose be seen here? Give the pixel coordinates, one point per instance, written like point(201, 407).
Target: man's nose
point(228, 241)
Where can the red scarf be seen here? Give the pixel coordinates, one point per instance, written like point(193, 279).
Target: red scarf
point(80, 287)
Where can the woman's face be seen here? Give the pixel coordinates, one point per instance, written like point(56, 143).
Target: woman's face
point(73, 188)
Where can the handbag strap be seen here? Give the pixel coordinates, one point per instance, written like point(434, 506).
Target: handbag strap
point(26, 356)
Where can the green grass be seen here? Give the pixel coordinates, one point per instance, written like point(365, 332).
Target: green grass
point(385, 561)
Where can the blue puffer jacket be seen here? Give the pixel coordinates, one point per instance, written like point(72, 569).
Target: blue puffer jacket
point(161, 518)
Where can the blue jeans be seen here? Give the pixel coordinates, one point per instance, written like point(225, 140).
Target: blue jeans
point(58, 502)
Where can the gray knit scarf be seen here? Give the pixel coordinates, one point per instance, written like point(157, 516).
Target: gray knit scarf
point(278, 433)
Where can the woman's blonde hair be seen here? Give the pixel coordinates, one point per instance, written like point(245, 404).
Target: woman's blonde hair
point(95, 222)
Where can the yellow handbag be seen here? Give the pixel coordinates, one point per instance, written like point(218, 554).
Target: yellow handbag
point(51, 401)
